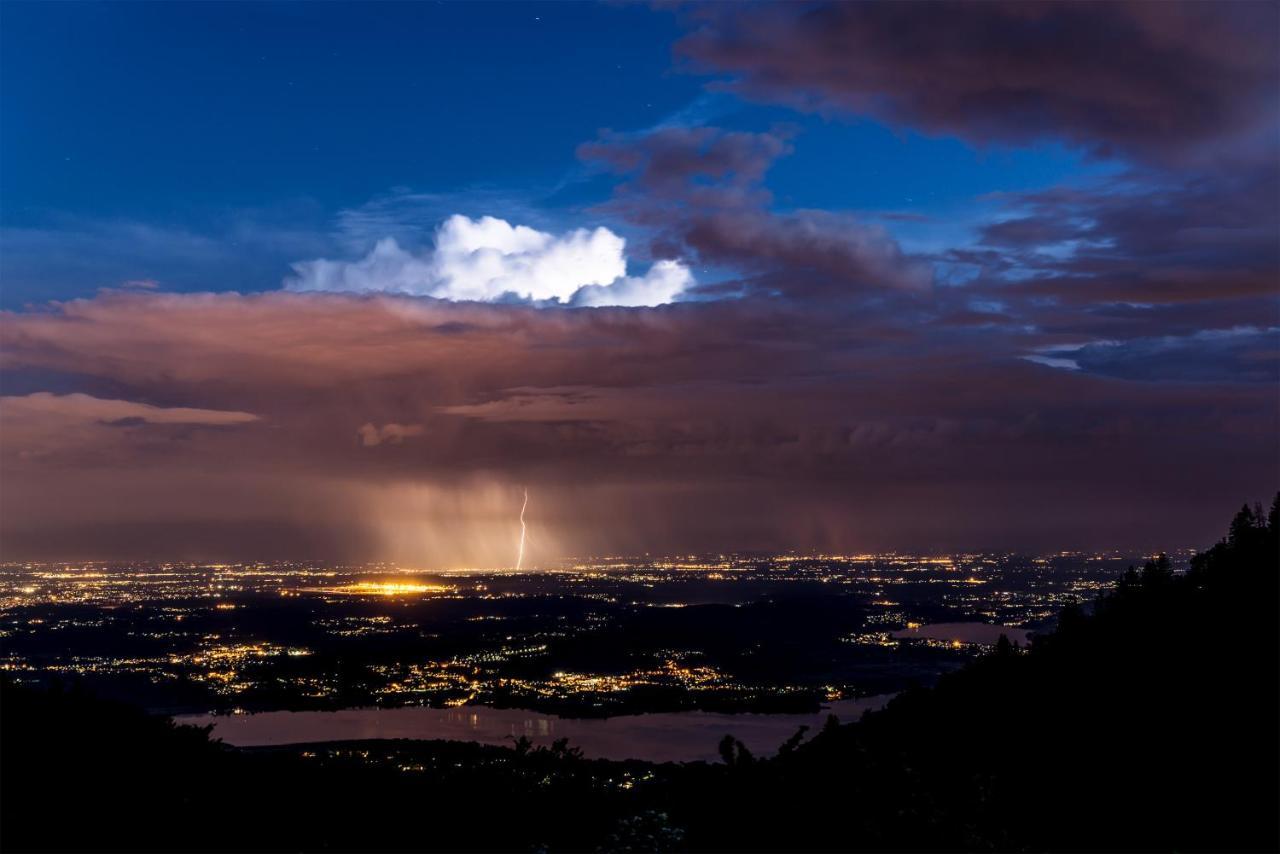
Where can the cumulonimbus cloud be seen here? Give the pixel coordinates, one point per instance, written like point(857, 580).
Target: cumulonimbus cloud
point(490, 260)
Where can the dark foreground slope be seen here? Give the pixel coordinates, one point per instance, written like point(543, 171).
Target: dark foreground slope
point(1148, 724)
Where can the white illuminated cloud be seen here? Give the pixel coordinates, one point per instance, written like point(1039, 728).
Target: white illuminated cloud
point(665, 281)
point(489, 259)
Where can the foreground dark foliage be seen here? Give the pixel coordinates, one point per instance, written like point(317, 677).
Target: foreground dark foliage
point(1149, 723)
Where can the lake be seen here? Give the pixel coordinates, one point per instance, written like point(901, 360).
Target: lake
point(659, 737)
point(983, 633)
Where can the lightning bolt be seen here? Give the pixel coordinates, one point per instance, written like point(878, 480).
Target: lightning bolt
point(523, 531)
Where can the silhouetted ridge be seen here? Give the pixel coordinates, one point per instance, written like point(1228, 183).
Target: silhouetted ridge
point(1148, 724)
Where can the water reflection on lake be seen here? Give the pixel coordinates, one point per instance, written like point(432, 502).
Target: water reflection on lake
point(964, 633)
point(661, 737)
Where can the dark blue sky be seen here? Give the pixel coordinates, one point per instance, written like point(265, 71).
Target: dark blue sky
point(243, 130)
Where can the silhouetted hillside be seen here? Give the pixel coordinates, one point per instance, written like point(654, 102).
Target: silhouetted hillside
point(1149, 723)
point(83, 774)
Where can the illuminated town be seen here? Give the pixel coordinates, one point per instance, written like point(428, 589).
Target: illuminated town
point(587, 638)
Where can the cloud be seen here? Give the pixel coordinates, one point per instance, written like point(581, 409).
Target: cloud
point(665, 281)
point(701, 191)
point(726, 166)
point(1146, 238)
point(372, 435)
point(1245, 354)
point(1152, 80)
point(80, 430)
point(82, 407)
point(1060, 362)
point(489, 260)
point(408, 216)
point(828, 251)
point(694, 425)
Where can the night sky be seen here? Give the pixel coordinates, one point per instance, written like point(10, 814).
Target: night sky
point(327, 280)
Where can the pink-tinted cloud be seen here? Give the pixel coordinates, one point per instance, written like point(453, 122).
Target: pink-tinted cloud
point(371, 435)
point(715, 425)
point(43, 430)
point(82, 407)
